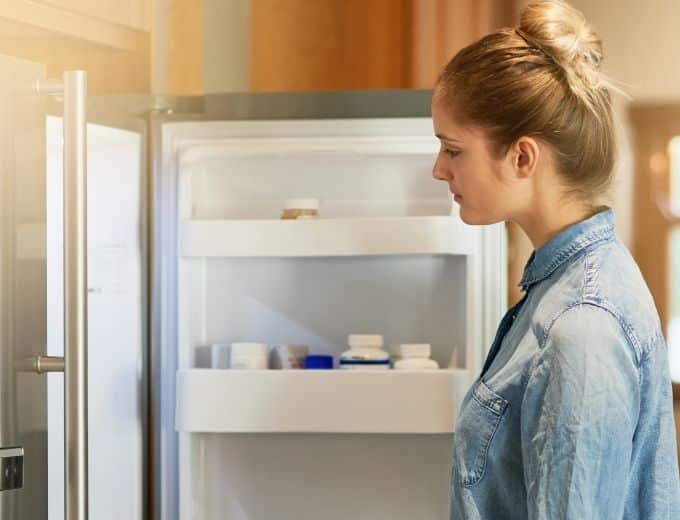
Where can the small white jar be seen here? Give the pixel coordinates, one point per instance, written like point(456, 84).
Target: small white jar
point(414, 356)
point(365, 353)
point(249, 356)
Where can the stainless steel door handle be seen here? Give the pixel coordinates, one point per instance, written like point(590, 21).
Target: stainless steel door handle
point(75, 294)
point(74, 89)
point(41, 364)
point(11, 468)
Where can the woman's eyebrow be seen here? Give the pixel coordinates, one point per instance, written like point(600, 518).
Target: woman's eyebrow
point(442, 137)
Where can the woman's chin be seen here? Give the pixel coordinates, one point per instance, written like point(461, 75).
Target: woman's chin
point(470, 221)
point(475, 219)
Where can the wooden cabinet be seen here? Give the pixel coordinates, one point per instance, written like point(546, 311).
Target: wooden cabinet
point(362, 44)
point(134, 14)
point(329, 44)
point(119, 24)
point(110, 39)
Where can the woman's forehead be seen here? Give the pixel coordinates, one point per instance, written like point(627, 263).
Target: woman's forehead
point(447, 126)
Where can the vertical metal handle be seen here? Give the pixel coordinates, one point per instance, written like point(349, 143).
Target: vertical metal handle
point(75, 295)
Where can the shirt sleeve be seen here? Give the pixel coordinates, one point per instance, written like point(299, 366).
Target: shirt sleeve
point(578, 418)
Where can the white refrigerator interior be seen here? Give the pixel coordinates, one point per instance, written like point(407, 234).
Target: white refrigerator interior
point(115, 326)
point(389, 255)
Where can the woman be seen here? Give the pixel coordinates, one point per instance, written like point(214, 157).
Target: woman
point(571, 416)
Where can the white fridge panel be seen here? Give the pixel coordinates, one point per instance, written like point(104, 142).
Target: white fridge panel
point(314, 477)
point(356, 168)
point(347, 185)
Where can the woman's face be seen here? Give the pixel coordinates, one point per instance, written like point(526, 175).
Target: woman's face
point(476, 178)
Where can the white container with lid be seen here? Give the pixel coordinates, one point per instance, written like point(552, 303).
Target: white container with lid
point(365, 353)
point(249, 356)
point(413, 356)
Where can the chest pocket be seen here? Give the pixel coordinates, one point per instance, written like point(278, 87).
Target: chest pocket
point(477, 423)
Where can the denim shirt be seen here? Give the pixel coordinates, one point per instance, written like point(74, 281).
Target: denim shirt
point(572, 415)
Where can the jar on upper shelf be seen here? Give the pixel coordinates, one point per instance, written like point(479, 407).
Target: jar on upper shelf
point(294, 209)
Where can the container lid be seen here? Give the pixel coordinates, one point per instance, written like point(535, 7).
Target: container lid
point(301, 204)
point(318, 362)
point(412, 350)
point(249, 349)
point(365, 341)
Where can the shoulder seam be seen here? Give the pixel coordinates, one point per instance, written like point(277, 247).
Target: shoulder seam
point(628, 331)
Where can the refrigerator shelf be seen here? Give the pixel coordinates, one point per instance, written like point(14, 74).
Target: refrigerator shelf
point(446, 235)
point(309, 401)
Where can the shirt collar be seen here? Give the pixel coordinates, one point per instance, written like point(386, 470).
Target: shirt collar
point(565, 245)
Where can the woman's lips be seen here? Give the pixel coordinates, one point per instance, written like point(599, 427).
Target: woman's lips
point(457, 198)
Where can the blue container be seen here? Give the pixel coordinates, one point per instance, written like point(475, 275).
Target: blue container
point(318, 362)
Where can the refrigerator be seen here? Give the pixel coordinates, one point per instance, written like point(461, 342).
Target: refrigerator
point(186, 250)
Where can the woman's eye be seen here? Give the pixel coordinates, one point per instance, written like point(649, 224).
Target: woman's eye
point(452, 153)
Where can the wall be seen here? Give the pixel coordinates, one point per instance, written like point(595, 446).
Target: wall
point(641, 44)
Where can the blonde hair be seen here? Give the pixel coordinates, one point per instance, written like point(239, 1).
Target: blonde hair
point(541, 79)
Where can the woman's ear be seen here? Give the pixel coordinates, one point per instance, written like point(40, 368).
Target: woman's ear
point(525, 154)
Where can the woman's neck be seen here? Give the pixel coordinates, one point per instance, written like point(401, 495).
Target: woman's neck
point(543, 222)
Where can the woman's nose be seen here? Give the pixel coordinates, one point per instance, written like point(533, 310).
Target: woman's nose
point(437, 172)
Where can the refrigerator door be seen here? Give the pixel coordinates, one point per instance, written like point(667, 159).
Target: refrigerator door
point(116, 154)
point(32, 310)
point(44, 289)
point(118, 191)
point(23, 403)
point(24, 220)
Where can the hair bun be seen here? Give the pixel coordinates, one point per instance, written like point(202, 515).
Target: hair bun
point(561, 31)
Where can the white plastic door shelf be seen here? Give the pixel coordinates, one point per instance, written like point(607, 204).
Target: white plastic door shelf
point(420, 402)
point(327, 237)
